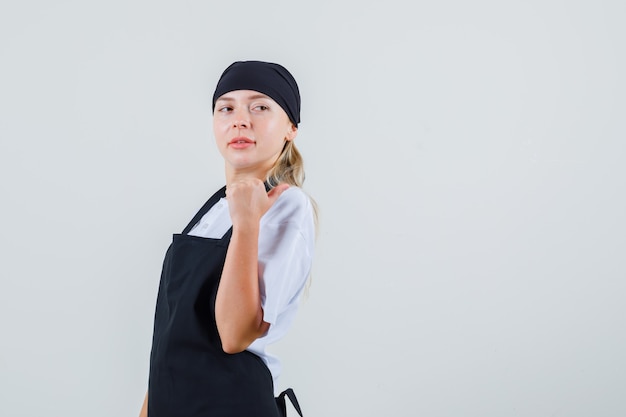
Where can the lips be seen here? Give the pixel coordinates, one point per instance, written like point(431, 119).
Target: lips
point(240, 140)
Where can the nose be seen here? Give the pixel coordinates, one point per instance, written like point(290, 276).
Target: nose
point(240, 120)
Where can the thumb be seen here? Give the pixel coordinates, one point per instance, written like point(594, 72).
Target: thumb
point(275, 192)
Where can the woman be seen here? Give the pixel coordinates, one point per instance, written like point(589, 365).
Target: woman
point(232, 280)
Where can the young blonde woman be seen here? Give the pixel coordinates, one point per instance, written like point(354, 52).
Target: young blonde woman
point(232, 280)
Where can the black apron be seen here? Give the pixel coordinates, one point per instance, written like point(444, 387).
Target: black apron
point(190, 375)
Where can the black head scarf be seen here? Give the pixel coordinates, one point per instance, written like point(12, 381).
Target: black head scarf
point(268, 78)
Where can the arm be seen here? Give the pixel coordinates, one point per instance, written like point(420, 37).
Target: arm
point(238, 311)
point(144, 407)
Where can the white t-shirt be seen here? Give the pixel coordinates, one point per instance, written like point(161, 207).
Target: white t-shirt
point(286, 245)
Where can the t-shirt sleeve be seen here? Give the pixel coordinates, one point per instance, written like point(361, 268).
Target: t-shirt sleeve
point(286, 243)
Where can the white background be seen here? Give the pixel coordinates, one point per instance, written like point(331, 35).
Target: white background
point(467, 157)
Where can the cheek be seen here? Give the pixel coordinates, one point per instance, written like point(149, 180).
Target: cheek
point(219, 128)
point(278, 128)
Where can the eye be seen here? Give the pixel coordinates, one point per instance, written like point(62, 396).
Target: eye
point(261, 107)
point(224, 109)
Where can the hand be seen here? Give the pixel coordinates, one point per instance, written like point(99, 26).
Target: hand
point(248, 201)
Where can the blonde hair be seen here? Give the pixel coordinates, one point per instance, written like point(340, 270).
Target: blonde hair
point(289, 169)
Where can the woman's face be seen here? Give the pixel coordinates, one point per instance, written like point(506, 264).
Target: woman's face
point(250, 131)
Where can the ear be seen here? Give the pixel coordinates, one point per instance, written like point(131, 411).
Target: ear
point(292, 132)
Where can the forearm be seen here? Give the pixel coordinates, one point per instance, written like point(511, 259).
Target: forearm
point(238, 311)
point(144, 407)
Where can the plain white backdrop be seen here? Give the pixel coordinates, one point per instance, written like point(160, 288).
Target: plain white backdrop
point(467, 157)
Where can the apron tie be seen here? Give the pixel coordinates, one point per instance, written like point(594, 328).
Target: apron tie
point(282, 405)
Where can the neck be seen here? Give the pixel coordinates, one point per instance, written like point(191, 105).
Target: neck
point(238, 175)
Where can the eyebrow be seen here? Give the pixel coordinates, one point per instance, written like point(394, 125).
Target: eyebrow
point(250, 97)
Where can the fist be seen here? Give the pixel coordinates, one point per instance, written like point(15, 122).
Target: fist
point(248, 201)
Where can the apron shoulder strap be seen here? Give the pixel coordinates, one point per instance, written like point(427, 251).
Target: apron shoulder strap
point(205, 208)
point(282, 405)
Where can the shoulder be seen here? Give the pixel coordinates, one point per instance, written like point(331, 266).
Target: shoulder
point(293, 206)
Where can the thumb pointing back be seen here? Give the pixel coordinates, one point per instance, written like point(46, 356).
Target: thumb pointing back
point(275, 192)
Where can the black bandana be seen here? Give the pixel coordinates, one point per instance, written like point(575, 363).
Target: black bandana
point(268, 78)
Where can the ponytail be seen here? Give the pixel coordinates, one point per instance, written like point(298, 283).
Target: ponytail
point(289, 169)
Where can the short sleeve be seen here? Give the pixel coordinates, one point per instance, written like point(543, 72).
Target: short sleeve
point(286, 244)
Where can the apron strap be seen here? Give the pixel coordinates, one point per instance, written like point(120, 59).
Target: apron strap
point(210, 203)
point(205, 208)
point(282, 405)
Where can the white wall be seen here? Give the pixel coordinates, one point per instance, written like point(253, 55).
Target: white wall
point(468, 159)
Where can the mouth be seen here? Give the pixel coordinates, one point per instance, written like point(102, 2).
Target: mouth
point(240, 140)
